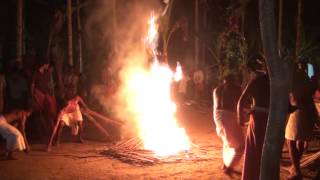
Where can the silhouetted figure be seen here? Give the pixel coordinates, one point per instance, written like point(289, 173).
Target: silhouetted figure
point(257, 91)
point(301, 121)
point(225, 98)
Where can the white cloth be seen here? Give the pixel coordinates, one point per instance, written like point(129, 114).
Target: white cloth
point(230, 132)
point(71, 119)
point(13, 137)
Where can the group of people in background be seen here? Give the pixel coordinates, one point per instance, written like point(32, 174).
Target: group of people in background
point(233, 109)
point(26, 90)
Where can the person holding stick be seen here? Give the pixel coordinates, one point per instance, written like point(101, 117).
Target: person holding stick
point(70, 115)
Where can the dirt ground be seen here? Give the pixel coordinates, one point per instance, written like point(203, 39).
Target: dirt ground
point(83, 161)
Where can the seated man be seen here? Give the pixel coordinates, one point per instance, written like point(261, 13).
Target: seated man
point(70, 115)
point(15, 140)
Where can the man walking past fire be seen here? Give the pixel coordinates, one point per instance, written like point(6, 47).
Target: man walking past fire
point(225, 98)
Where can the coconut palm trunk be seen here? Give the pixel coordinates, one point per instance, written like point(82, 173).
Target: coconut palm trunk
point(299, 23)
point(79, 28)
point(69, 20)
point(19, 30)
point(279, 72)
point(280, 15)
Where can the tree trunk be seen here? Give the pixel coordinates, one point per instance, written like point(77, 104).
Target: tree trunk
point(196, 37)
point(114, 24)
point(280, 27)
point(79, 37)
point(69, 18)
point(19, 30)
point(279, 90)
point(298, 36)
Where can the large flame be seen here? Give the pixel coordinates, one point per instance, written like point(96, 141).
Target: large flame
point(149, 100)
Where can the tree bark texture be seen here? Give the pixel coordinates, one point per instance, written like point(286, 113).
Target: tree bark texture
point(280, 15)
point(279, 89)
point(79, 28)
point(196, 40)
point(19, 30)
point(299, 23)
point(69, 20)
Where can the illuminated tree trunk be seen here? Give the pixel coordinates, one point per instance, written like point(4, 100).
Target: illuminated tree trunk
point(114, 23)
point(299, 23)
point(79, 37)
point(279, 90)
point(19, 30)
point(196, 38)
point(69, 20)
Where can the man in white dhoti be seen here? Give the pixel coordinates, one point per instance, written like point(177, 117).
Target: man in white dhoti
point(69, 116)
point(15, 140)
point(225, 98)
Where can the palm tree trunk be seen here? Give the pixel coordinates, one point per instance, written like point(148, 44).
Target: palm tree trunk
point(69, 20)
point(19, 30)
point(114, 23)
point(79, 37)
point(279, 90)
point(280, 27)
point(196, 40)
point(299, 23)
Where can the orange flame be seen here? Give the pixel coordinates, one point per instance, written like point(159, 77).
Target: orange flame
point(149, 99)
point(178, 74)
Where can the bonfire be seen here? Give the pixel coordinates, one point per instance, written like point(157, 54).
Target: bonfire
point(154, 111)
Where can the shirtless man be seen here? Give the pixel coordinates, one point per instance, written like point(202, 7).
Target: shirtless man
point(70, 116)
point(15, 139)
point(257, 91)
point(225, 98)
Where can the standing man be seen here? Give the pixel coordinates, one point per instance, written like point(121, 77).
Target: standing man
point(43, 101)
point(225, 98)
point(301, 121)
point(257, 91)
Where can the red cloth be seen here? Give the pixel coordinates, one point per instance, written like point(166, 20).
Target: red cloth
point(47, 106)
point(253, 146)
point(42, 81)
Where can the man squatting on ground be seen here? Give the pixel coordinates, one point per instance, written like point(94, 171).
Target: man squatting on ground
point(15, 140)
point(70, 116)
point(225, 98)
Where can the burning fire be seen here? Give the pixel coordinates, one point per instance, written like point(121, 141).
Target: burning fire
point(149, 98)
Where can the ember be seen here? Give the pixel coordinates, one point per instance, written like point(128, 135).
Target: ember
point(130, 151)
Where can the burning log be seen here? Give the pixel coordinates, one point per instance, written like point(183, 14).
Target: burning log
point(131, 151)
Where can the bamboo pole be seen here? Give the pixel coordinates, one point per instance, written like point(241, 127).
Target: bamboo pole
point(69, 20)
point(299, 23)
point(79, 37)
point(19, 30)
point(97, 125)
point(106, 119)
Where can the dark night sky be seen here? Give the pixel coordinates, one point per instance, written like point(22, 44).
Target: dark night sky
point(38, 15)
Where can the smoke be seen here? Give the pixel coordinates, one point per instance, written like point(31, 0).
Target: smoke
point(115, 42)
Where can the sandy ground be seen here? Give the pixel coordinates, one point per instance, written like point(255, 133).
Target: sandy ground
point(84, 161)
